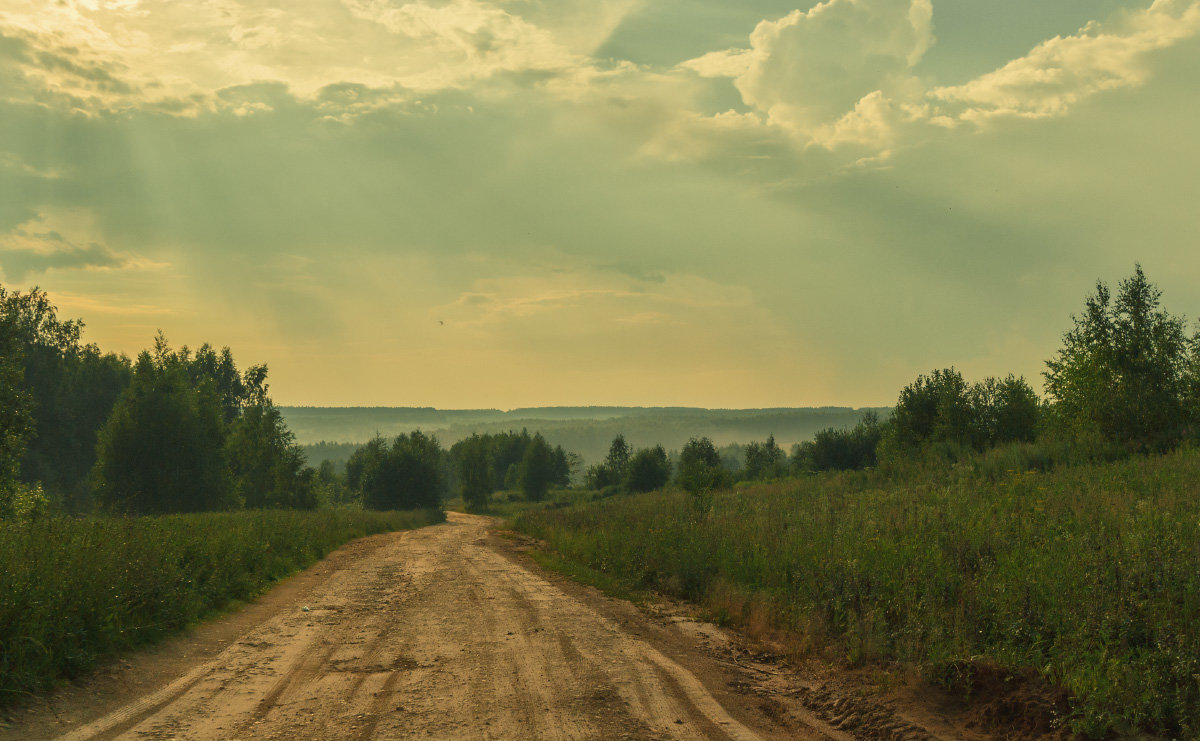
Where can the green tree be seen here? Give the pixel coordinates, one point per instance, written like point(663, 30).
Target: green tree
point(563, 464)
point(612, 470)
point(700, 468)
point(841, 450)
point(406, 475)
point(1005, 410)
point(16, 423)
point(763, 461)
point(934, 408)
point(649, 469)
point(473, 456)
point(163, 448)
point(537, 469)
point(71, 388)
point(268, 468)
point(330, 485)
point(1123, 370)
point(364, 461)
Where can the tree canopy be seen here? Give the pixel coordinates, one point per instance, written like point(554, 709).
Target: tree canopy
point(1127, 371)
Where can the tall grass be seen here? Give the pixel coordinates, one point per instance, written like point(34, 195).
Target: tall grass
point(73, 591)
point(1089, 574)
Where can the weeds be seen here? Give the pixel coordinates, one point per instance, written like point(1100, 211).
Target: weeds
point(73, 591)
point(1088, 574)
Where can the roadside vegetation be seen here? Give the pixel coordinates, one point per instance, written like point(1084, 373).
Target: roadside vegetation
point(976, 526)
point(137, 496)
point(74, 591)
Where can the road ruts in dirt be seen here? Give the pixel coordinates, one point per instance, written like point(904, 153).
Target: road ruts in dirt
point(435, 634)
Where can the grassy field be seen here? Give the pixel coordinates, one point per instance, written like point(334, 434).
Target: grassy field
point(73, 591)
point(1089, 575)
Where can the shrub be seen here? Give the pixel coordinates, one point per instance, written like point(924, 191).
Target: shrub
point(649, 469)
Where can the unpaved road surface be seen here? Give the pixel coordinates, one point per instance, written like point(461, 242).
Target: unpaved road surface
point(444, 633)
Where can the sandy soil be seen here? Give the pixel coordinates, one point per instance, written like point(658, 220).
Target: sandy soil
point(447, 632)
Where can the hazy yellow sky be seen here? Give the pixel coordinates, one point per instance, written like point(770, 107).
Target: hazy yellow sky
point(526, 202)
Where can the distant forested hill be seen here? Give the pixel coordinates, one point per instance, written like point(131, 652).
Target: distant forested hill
point(585, 430)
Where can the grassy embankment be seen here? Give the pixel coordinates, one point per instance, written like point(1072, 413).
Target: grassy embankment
point(73, 591)
point(1087, 574)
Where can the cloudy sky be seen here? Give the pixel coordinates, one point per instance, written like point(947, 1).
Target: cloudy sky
point(499, 203)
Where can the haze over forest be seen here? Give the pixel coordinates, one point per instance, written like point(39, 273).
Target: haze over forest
point(499, 203)
point(588, 431)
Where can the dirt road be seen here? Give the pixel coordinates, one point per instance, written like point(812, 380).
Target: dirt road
point(439, 633)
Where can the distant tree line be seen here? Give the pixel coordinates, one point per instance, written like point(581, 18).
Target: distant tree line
point(182, 430)
point(413, 470)
point(1127, 380)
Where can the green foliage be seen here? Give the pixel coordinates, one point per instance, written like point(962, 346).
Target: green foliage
point(1004, 411)
point(191, 433)
point(29, 503)
point(942, 413)
point(537, 470)
point(648, 470)
point(163, 448)
point(1126, 371)
point(70, 389)
point(16, 423)
point(700, 468)
point(268, 467)
point(76, 591)
point(841, 450)
point(1087, 574)
point(764, 461)
point(407, 474)
point(473, 457)
point(481, 464)
point(933, 408)
point(611, 472)
point(329, 486)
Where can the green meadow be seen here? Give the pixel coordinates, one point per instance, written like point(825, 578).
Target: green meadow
point(1087, 574)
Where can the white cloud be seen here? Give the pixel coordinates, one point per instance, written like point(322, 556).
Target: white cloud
point(840, 76)
point(468, 33)
point(843, 59)
point(1065, 70)
point(175, 55)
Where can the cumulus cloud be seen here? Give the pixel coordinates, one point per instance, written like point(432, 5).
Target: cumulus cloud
point(832, 74)
point(1065, 70)
point(840, 76)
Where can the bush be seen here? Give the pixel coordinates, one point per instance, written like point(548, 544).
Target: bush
point(841, 450)
point(942, 413)
point(700, 468)
point(649, 469)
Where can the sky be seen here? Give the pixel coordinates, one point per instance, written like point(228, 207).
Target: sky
point(470, 203)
